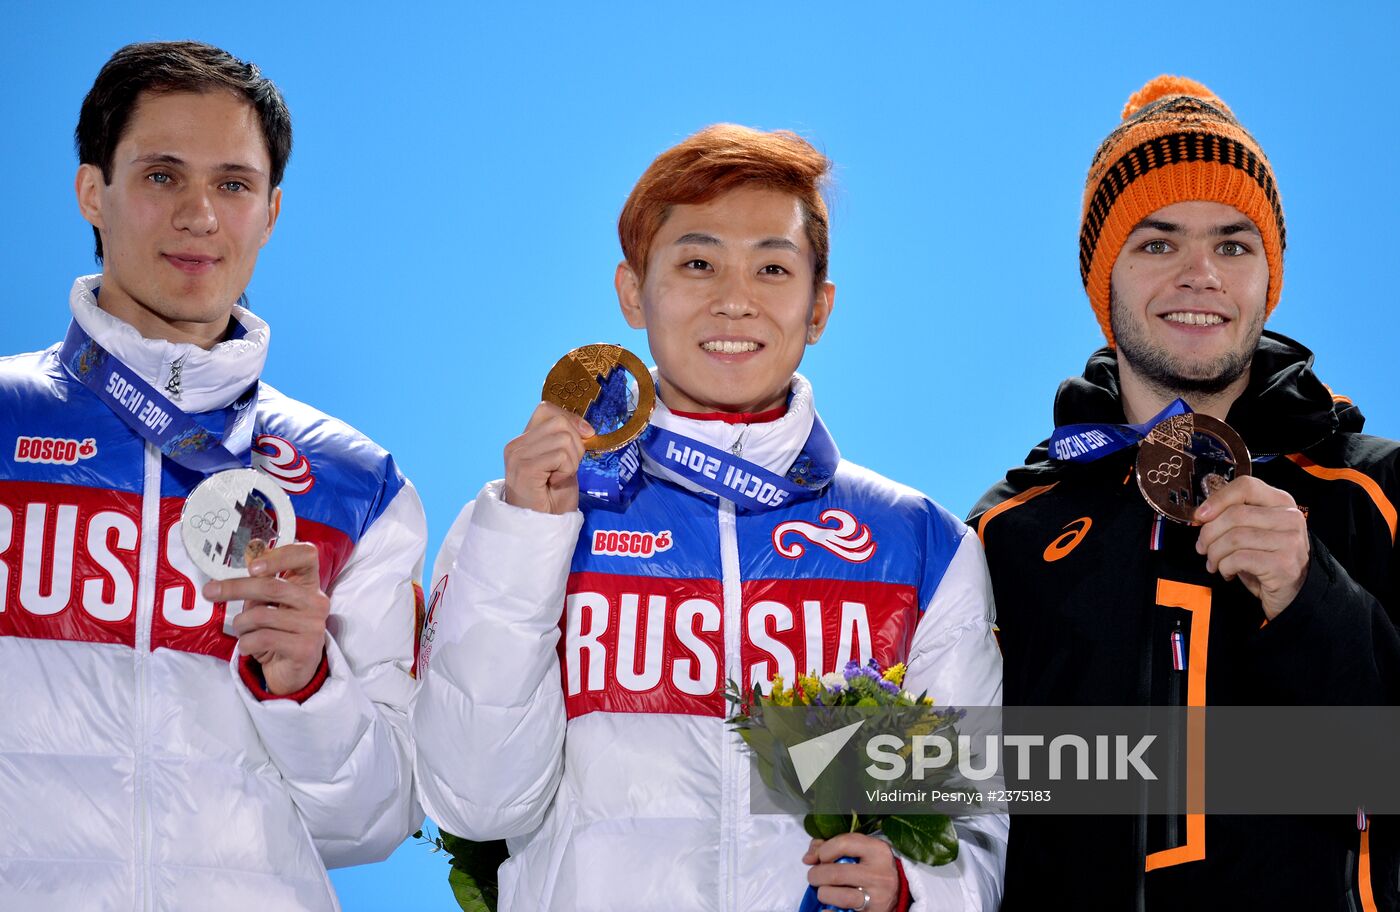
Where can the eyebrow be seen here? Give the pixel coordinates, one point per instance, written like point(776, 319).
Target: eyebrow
point(164, 158)
point(709, 240)
point(696, 237)
point(1244, 226)
point(1157, 225)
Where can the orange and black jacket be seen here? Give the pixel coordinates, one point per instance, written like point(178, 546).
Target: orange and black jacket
point(1087, 607)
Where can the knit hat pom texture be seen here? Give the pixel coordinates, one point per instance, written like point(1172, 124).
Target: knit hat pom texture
point(1164, 87)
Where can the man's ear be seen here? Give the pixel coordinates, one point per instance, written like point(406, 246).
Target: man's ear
point(823, 303)
point(629, 295)
point(274, 209)
point(88, 188)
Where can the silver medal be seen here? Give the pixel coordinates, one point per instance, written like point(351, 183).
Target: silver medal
point(231, 518)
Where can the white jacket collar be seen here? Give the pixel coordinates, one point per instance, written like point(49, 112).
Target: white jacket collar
point(207, 379)
point(775, 445)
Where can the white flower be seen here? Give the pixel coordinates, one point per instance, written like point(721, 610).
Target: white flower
point(834, 680)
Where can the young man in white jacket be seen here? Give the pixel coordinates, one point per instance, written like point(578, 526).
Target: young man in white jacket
point(573, 700)
point(157, 751)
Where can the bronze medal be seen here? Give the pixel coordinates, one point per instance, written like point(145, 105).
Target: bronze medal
point(585, 375)
point(1184, 460)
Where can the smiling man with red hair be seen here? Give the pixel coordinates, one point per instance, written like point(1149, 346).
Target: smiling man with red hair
point(574, 702)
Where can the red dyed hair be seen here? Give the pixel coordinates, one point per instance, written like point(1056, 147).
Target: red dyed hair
point(720, 158)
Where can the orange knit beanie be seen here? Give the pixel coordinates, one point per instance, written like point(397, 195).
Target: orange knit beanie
point(1177, 142)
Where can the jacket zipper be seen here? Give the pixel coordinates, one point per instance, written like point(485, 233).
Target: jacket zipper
point(1176, 641)
point(145, 610)
point(731, 756)
point(1139, 831)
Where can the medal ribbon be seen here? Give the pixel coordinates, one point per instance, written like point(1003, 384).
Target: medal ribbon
point(612, 478)
point(810, 903)
point(149, 412)
point(1090, 442)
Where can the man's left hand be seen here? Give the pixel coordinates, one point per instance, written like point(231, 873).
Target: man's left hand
point(871, 884)
point(283, 622)
point(1256, 532)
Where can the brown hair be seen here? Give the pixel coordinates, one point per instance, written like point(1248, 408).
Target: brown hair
point(717, 159)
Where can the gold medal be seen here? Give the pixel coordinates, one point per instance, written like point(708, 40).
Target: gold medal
point(580, 378)
point(1186, 458)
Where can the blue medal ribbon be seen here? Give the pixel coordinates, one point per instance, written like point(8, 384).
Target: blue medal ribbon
point(611, 479)
point(150, 413)
point(810, 903)
point(1090, 442)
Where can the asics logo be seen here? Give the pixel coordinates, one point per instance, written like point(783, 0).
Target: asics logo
point(1067, 541)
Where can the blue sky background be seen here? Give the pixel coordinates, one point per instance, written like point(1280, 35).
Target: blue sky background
point(449, 219)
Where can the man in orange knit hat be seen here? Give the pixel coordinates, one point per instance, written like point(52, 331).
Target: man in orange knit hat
point(1269, 547)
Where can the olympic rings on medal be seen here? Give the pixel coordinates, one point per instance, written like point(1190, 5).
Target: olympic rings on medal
point(209, 522)
point(1165, 471)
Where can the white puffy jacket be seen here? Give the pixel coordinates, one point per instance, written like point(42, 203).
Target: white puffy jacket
point(595, 741)
point(137, 771)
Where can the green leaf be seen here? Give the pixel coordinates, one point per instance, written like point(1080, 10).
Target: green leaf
point(926, 838)
point(467, 893)
point(788, 724)
point(825, 826)
point(869, 824)
point(473, 873)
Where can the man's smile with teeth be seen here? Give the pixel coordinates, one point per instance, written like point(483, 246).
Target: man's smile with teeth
point(1194, 319)
point(729, 347)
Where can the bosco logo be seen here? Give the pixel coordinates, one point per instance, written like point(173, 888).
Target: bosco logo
point(54, 450)
point(631, 544)
point(278, 458)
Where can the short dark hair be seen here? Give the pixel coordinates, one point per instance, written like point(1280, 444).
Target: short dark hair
point(175, 66)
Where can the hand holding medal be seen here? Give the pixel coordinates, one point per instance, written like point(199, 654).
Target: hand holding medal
point(589, 406)
point(283, 622)
point(1196, 470)
point(1256, 533)
point(239, 528)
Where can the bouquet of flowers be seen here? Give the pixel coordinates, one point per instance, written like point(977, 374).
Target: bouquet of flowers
point(788, 715)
